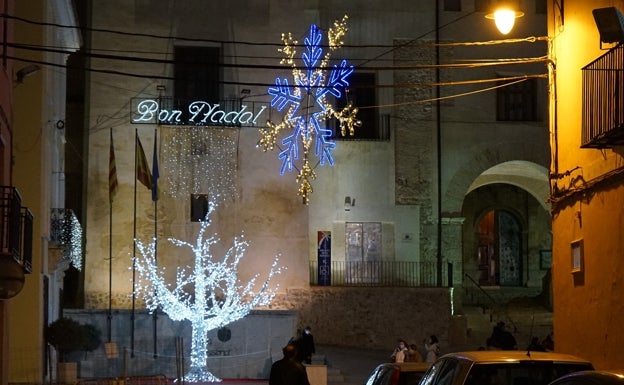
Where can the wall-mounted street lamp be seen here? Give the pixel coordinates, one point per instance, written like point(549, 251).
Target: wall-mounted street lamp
point(504, 13)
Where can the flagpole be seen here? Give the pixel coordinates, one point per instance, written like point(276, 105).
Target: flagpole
point(155, 175)
point(136, 140)
point(142, 174)
point(110, 238)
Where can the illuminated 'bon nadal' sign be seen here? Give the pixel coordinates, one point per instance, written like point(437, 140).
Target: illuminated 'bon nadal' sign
point(197, 113)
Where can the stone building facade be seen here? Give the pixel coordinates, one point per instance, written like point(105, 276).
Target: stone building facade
point(456, 162)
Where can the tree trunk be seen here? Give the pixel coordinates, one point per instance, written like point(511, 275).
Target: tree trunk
point(199, 354)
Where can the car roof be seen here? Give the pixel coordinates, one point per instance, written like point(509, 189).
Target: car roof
point(492, 356)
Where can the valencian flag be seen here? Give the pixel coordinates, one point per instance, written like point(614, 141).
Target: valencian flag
point(155, 173)
point(113, 185)
point(142, 171)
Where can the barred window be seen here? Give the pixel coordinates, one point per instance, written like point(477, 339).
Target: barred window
point(517, 102)
point(197, 73)
point(362, 93)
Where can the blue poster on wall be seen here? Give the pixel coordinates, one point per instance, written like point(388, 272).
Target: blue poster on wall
point(324, 258)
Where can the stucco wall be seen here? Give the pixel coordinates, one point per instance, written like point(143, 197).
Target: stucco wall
point(588, 199)
point(589, 304)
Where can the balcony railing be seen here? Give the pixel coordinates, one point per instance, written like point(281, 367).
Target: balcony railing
point(66, 232)
point(27, 238)
point(15, 228)
point(603, 101)
point(379, 132)
point(379, 273)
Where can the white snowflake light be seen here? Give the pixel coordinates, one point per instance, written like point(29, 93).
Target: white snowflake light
point(209, 294)
point(308, 107)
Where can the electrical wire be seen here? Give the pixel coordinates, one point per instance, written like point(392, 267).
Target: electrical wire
point(247, 83)
point(471, 63)
point(445, 97)
point(479, 63)
point(412, 42)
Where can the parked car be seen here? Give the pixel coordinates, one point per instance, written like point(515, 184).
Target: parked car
point(592, 377)
point(502, 367)
point(405, 373)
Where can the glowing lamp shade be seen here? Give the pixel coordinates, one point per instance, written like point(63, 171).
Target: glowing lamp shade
point(504, 18)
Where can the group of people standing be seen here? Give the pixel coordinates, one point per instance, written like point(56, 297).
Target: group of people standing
point(410, 353)
point(503, 339)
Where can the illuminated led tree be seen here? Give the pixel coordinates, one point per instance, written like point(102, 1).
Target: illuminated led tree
point(308, 106)
point(209, 294)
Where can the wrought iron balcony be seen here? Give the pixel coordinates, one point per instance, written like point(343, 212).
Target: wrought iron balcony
point(26, 225)
point(376, 128)
point(66, 232)
point(16, 227)
point(603, 101)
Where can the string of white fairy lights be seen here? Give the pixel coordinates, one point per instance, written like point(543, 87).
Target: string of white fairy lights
point(197, 160)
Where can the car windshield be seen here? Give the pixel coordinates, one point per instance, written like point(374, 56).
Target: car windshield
point(522, 373)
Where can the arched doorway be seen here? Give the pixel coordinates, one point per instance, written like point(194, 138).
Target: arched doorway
point(499, 249)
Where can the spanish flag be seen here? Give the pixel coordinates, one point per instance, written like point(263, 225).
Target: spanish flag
point(142, 168)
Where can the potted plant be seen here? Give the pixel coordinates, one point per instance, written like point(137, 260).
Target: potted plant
point(68, 336)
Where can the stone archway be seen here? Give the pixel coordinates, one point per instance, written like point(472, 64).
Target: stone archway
point(521, 173)
point(489, 168)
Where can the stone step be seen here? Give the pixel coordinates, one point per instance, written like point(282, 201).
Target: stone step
point(334, 375)
point(523, 321)
point(318, 359)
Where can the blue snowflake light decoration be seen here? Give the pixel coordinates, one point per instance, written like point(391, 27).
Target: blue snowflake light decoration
point(307, 106)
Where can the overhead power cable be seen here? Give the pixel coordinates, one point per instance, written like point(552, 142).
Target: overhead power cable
point(412, 42)
point(480, 63)
point(260, 84)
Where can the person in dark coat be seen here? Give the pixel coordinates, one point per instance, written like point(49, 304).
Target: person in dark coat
point(306, 346)
point(535, 345)
point(501, 338)
point(288, 370)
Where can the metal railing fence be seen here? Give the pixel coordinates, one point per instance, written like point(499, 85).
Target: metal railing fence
point(379, 273)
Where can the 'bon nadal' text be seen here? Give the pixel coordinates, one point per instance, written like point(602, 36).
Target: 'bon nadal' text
point(198, 113)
